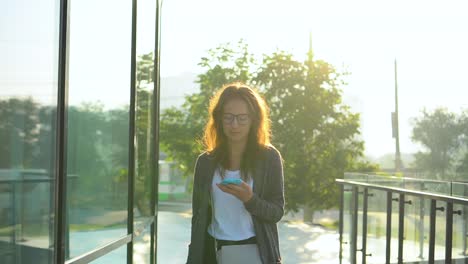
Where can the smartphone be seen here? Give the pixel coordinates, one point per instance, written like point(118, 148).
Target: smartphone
point(231, 181)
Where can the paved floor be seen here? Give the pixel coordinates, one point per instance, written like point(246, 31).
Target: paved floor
point(300, 243)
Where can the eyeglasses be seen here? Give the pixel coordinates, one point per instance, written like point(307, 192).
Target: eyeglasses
point(242, 119)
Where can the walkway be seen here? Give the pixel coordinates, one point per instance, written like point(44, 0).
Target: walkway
point(300, 243)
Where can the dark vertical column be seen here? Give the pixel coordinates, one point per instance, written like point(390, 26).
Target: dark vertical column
point(401, 226)
point(389, 227)
point(364, 225)
point(342, 188)
point(432, 224)
point(60, 186)
point(448, 232)
point(354, 226)
point(156, 111)
point(13, 240)
point(131, 139)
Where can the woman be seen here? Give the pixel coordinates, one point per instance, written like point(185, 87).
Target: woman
point(237, 141)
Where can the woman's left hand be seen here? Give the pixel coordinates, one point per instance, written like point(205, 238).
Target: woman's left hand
point(242, 191)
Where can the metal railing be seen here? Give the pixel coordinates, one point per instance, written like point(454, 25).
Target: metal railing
point(419, 235)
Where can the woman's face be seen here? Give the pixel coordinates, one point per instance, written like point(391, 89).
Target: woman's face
point(236, 121)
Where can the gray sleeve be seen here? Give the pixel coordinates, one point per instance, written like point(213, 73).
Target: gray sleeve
point(195, 207)
point(196, 188)
point(270, 207)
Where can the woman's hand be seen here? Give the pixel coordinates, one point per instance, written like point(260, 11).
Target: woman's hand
point(242, 191)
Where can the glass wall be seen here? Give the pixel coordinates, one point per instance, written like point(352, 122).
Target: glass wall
point(98, 123)
point(145, 118)
point(99, 154)
point(28, 98)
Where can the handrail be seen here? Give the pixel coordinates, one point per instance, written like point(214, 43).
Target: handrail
point(398, 178)
point(429, 195)
point(360, 188)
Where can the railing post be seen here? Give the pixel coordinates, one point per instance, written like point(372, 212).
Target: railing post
point(432, 224)
point(448, 232)
point(354, 222)
point(401, 226)
point(364, 225)
point(423, 211)
point(341, 221)
point(389, 227)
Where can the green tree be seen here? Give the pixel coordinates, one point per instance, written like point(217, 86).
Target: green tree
point(19, 132)
point(439, 132)
point(143, 131)
point(315, 132)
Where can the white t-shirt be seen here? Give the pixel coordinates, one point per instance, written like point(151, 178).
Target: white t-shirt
point(231, 220)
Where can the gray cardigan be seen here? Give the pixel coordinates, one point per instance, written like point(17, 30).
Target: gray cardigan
point(266, 207)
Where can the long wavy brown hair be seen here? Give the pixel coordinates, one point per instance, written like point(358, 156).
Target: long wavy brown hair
point(215, 140)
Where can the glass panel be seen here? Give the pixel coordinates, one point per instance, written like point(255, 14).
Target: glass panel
point(433, 186)
point(376, 226)
point(116, 256)
point(28, 96)
point(416, 229)
point(459, 239)
point(347, 220)
point(460, 224)
point(460, 189)
point(98, 124)
point(142, 247)
point(394, 230)
point(144, 152)
point(360, 204)
point(439, 251)
point(144, 115)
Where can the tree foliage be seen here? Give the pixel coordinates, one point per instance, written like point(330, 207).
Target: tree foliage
point(439, 132)
point(315, 132)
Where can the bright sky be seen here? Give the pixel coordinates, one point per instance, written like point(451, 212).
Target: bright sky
point(428, 39)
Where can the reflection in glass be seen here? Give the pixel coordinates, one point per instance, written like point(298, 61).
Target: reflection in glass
point(28, 96)
point(98, 123)
point(141, 247)
point(144, 134)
